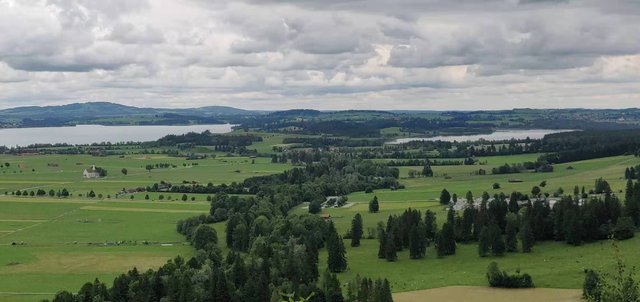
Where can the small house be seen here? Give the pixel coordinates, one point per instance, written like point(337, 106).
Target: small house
point(91, 172)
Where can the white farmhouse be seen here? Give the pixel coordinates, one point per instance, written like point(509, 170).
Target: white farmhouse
point(91, 172)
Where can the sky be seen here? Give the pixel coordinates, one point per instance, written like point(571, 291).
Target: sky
point(322, 54)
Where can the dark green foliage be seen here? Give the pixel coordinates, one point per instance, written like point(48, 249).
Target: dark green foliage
point(417, 241)
point(374, 205)
point(526, 233)
point(331, 288)
point(445, 197)
point(445, 241)
point(337, 261)
point(484, 242)
point(591, 286)
point(499, 278)
point(390, 248)
point(356, 230)
point(427, 171)
point(511, 231)
point(315, 207)
point(204, 235)
point(497, 240)
point(382, 241)
point(431, 226)
point(624, 228)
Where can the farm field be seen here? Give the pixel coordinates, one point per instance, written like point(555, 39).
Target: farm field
point(63, 171)
point(62, 243)
point(460, 179)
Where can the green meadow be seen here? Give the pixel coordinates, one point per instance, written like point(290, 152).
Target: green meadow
point(48, 244)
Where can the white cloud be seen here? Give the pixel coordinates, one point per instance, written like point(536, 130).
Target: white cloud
point(438, 54)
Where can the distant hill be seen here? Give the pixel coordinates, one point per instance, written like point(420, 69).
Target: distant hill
point(106, 109)
point(106, 113)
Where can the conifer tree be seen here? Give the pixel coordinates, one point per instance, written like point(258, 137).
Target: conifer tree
point(484, 242)
point(374, 206)
point(526, 233)
point(390, 248)
point(337, 261)
point(445, 197)
point(417, 247)
point(511, 231)
point(497, 241)
point(356, 230)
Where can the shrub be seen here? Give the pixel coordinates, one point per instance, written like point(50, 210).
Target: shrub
point(499, 278)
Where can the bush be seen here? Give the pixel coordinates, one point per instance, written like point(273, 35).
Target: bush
point(204, 235)
point(591, 285)
point(499, 278)
point(624, 228)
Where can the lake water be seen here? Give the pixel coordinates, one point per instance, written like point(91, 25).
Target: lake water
point(495, 136)
point(87, 134)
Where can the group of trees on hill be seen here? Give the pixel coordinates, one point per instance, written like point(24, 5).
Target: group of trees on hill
point(500, 226)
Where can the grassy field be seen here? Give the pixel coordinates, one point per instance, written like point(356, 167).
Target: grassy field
point(60, 171)
point(460, 179)
point(62, 243)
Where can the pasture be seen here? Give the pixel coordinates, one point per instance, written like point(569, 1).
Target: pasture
point(62, 243)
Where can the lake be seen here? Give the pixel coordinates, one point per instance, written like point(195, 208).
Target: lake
point(87, 134)
point(495, 136)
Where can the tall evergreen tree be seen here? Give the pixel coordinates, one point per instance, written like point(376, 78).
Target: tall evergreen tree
point(382, 240)
point(390, 251)
point(417, 247)
point(431, 226)
point(497, 240)
point(484, 242)
point(374, 205)
point(337, 261)
point(331, 287)
point(511, 231)
point(445, 197)
point(468, 216)
point(356, 230)
point(526, 233)
point(632, 207)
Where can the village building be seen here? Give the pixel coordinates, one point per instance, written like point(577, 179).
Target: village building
point(91, 172)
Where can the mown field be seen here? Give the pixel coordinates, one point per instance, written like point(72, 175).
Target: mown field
point(62, 243)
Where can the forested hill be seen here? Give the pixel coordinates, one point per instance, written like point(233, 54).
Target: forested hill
point(106, 113)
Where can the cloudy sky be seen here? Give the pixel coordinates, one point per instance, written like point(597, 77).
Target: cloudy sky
point(323, 54)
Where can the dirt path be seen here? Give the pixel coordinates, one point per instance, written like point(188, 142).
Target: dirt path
point(480, 294)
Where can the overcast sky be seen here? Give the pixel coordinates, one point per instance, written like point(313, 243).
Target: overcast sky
point(323, 54)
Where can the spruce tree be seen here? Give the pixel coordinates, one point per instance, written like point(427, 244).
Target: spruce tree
point(484, 242)
point(390, 248)
point(337, 261)
point(386, 292)
point(526, 233)
point(331, 287)
point(445, 197)
point(511, 231)
point(431, 226)
point(416, 242)
point(374, 206)
point(356, 230)
point(632, 208)
point(382, 240)
point(497, 241)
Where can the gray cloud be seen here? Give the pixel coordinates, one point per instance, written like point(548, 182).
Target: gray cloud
point(440, 54)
